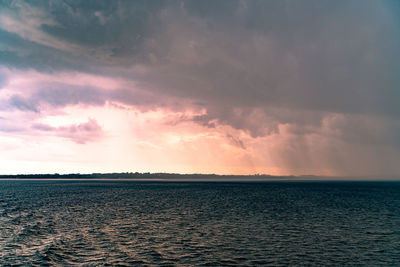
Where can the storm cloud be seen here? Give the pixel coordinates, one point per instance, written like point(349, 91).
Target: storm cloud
point(314, 73)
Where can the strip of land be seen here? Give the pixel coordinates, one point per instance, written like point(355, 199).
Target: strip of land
point(147, 176)
point(158, 176)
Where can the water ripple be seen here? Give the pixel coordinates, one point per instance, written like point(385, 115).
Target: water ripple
point(211, 224)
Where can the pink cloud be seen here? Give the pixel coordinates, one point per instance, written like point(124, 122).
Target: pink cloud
point(82, 133)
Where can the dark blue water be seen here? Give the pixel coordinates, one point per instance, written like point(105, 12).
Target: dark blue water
point(149, 223)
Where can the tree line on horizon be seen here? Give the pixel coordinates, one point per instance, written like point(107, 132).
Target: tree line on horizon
point(134, 175)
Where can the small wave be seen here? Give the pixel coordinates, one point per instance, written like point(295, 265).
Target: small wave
point(131, 223)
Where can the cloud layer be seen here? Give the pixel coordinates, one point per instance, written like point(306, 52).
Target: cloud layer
point(312, 83)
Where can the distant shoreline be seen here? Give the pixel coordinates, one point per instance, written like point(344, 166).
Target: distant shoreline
point(174, 177)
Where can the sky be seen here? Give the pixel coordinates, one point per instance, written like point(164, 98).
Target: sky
point(227, 87)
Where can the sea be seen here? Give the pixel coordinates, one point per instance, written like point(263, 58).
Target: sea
point(149, 223)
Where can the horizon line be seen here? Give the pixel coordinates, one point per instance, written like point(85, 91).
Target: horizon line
point(165, 176)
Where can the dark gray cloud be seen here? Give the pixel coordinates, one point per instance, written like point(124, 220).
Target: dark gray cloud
point(304, 59)
point(337, 56)
point(16, 52)
point(58, 95)
point(105, 24)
